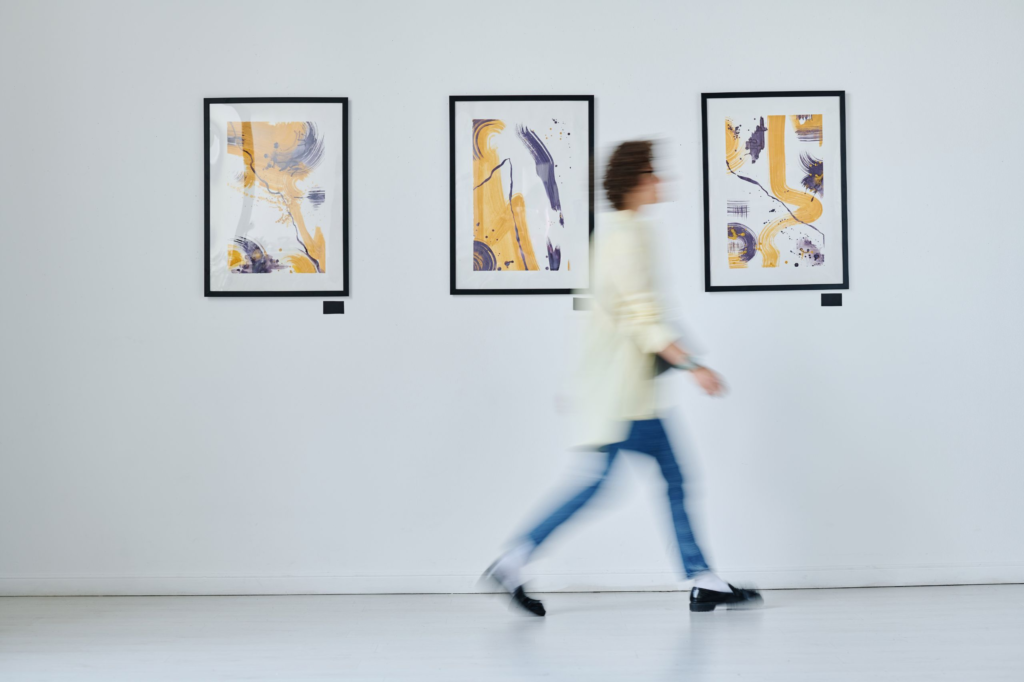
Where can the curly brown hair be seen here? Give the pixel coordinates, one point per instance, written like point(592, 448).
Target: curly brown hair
point(628, 162)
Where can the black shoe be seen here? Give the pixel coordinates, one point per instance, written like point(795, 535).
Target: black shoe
point(520, 597)
point(706, 600)
point(529, 603)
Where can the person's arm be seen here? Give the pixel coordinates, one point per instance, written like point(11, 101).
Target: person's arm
point(708, 380)
point(640, 315)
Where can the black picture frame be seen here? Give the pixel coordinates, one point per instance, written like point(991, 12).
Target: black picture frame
point(841, 95)
point(344, 102)
point(452, 101)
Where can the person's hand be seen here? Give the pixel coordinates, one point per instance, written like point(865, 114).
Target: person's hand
point(709, 381)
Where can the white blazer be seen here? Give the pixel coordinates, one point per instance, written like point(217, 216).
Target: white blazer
point(615, 381)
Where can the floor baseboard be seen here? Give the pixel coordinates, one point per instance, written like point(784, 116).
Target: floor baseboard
point(789, 578)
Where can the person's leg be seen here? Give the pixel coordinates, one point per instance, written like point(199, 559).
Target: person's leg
point(651, 439)
point(709, 591)
point(506, 570)
point(541, 532)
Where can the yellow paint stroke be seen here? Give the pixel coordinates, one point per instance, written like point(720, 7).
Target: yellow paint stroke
point(737, 249)
point(235, 257)
point(260, 141)
point(300, 263)
point(813, 122)
point(495, 219)
point(808, 206)
point(733, 157)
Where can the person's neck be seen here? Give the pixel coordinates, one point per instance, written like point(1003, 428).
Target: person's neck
point(633, 201)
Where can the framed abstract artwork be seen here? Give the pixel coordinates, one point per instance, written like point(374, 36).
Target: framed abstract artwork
point(775, 191)
point(522, 193)
point(276, 172)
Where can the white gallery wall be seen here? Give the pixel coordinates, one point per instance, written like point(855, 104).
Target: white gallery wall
point(156, 441)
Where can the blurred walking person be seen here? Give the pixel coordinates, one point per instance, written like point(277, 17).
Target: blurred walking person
point(628, 343)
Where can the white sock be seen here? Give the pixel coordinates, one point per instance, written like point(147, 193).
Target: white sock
point(508, 568)
point(709, 581)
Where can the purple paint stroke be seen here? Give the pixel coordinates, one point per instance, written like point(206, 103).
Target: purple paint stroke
point(739, 208)
point(739, 231)
point(477, 124)
point(491, 175)
point(257, 261)
point(808, 133)
point(755, 143)
point(235, 138)
point(306, 155)
point(316, 196)
point(814, 174)
point(554, 256)
point(483, 257)
point(545, 168)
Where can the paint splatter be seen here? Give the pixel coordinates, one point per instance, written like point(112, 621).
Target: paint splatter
point(755, 143)
point(810, 252)
point(734, 159)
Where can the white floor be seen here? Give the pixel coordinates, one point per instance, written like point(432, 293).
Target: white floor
point(920, 633)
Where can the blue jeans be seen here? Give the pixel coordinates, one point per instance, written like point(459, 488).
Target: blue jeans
point(648, 437)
